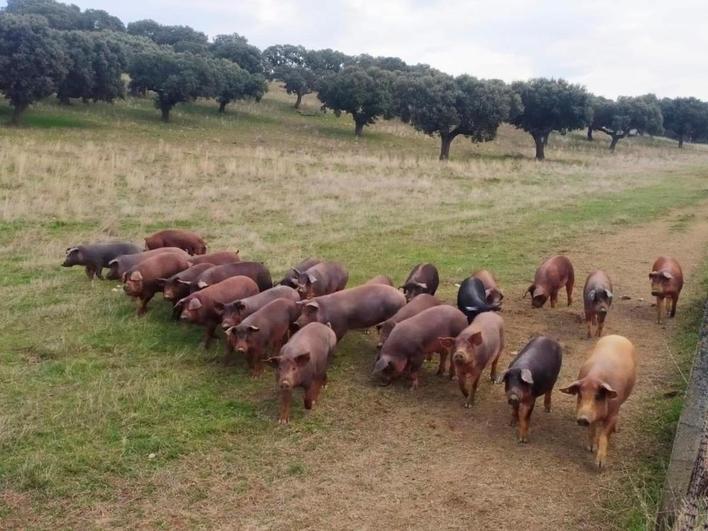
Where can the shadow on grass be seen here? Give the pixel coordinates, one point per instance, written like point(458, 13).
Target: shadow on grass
point(44, 120)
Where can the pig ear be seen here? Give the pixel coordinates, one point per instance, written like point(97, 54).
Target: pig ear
point(114, 261)
point(447, 342)
point(653, 274)
point(229, 330)
point(194, 304)
point(591, 294)
point(237, 251)
point(422, 285)
point(71, 250)
point(219, 308)
point(475, 339)
point(572, 389)
point(381, 365)
point(526, 376)
point(471, 308)
point(135, 276)
point(609, 294)
point(185, 282)
point(312, 305)
point(329, 325)
point(666, 274)
point(611, 393)
point(274, 361)
point(530, 289)
point(124, 277)
point(302, 359)
point(253, 328)
point(311, 278)
point(502, 377)
point(161, 282)
point(201, 284)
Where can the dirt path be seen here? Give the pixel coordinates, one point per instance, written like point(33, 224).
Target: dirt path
point(419, 460)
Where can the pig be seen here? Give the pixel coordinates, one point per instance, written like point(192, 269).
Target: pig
point(219, 258)
point(380, 279)
point(605, 381)
point(266, 328)
point(96, 256)
point(200, 307)
point(411, 340)
point(473, 349)
point(253, 270)
point(184, 239)
point(233, 313)
point(551, 276)
point(119, 265)
point(666, 283)
point(176, 287)
point(353, 308)
point(143, 280)
point(423, 278)
point(416, 305)
point(597, 299)
point(303, 362)
point(492, 292)
point(532, 373)
point(321, 279)
point(472, 299)
point(290, 278)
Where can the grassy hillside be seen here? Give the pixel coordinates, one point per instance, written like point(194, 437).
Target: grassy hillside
point(95, 402)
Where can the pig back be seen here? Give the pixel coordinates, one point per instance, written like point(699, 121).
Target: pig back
point(316, 338)
point(423, 329)
point(613, 361)
point(254, 270)
point(491, 325)
point(161, 265)
point(554, 272)
point(230, 289)
point(543, 357)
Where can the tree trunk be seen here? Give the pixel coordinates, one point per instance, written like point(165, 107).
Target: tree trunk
point(222, 106)
point(63, 99)
point(590, 133)
point(540, 145)
point(298, 101)
point(613, 143)
point(445, 143)
point(165, 114)
point(680, 142)
point(17, 114)
point(545, 139)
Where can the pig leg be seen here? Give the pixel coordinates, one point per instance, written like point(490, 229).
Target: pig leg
point(569, 291)
point(142, 307)
point(547, 401)
point(286, 396)
point(525, 411)
point(674, 300)
point(592, 437)
point(659, 308)
point(462, 382)
point(209, 335)
point(312, 394)
point(473, 391)
point(603, 440)
point(514, 414)
point(414, 367)
point(451, 370)
point(588, 322)
point(443, 359)
point(90, 272)
point(554, 298)
point(600, 324)
point(493, 372)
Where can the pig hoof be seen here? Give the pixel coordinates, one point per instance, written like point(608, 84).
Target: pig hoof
point(600, 464)
point(468, 405)
point(547, 409)
point(282, 421)
point(523, 440)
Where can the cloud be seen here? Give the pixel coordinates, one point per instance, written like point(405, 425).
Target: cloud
point(613, 47)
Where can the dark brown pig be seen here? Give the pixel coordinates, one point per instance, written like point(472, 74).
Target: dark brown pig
point(184, 239)
point(493, 292)
point(234, 312)
point(416, 305)
point(353, 308)
point(219, 258)
point(291, 277)
point(666, 283)
point(176, 287)
point(532, 373)
point(380, 279)
point(605, 381)
point(414, 338)
point(143, 280)
point(303, 362)
point(322, 279)
point(254, 270)
point(265, 329)
point(553, 274)
point(200, 306)
point(473, 349)
point(118, 266)
point(597, 299)
point(423, 278)
point(96, 256)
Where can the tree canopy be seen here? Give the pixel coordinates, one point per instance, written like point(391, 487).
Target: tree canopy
point(66, 16)
point(182, 38)
point(550, 105)
point(235, 48)
point(685, 118)
point(233, 83)
point(32, 61)
point(438, 104)
point(366, 94)
point(620, 118)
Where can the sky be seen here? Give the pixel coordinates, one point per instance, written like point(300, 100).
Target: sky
point(613, 47)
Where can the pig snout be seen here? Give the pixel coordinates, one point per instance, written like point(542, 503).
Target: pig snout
point(459, 357)
point(583, 421)
point(513, 399)
point(285, 384)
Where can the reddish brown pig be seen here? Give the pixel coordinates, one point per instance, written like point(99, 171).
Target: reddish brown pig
point(416, 305)
point(291, 277)
point(493, 292)
point(303, 362)
point(200, 307)
point(553, 274)
point(143, 280)
point(473, 349)
point(184, 239)
point(414, 338)
point(380, 279)
point(532, 373)
point(597, 299)
point(666, 283)
point(353, 308)
point(254, 270)
point(321, 279)
point(265, 329)
point(118, 266)
point(176, 287)
point(605, 381)
point(423, 278)
point(219, 258)
point(234, 312)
